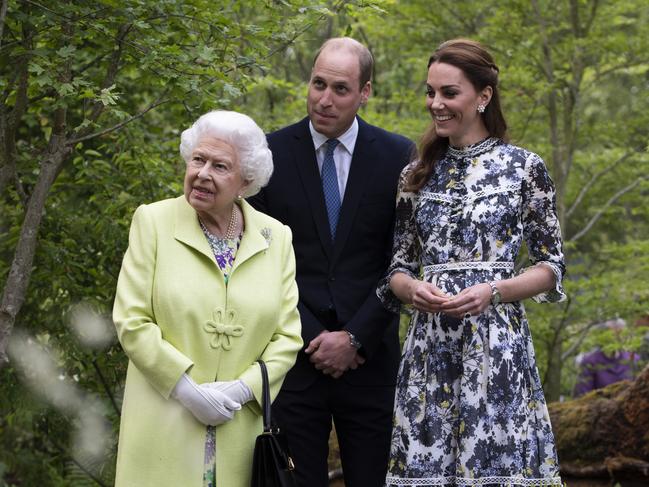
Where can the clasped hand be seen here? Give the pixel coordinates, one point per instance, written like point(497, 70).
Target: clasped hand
point(427, 297)
point(332, 353)
point(212, 403)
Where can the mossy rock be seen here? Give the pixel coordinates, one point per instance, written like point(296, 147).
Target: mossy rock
point(607, 423)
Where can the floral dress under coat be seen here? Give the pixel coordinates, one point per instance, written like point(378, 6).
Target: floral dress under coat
point(225, 250)
point(469, 408)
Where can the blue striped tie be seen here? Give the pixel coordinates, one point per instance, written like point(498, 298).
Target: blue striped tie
point(330, 186)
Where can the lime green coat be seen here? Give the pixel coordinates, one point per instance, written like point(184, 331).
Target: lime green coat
point(174, 313)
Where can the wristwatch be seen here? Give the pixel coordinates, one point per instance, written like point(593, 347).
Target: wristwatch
point(353, 341)
point(496, 298)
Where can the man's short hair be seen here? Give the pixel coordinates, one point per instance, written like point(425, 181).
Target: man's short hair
point(365, 59)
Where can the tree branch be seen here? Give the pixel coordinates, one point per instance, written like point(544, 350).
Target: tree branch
point(465, 21)
point(608, 204)
point(20, 189)
point(23, 78)
point(3, 16)
point(112, 69)
point(553, 111)
point(11, 119)
point(575, 345)
point(158, 102)
point(104, 383)
point(596, 80)
point(592, 181)
point(574, 18)
point(592, 16)
point(546, 64)
point(73, 459)
point(529, 118)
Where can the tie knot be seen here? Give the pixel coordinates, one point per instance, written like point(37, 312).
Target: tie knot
point(331, 145)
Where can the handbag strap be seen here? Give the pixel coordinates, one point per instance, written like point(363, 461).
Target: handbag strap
point(265, 396)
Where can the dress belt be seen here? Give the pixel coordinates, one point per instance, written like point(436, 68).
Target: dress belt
point(462, 266)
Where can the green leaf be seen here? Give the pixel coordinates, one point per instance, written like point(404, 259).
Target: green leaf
point(65, 89)
point(231, 90)
point(107, 97)
point(35, 68)
point(66, 52)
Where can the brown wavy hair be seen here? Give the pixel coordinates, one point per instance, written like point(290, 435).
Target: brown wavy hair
point(478, 66)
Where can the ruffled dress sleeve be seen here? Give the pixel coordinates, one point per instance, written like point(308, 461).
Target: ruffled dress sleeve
point(541, 227)
point(406, 246)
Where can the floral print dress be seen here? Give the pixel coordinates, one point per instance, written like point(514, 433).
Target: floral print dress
point(469, 408)
point(224, 250)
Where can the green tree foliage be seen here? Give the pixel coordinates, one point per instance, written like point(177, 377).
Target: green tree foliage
point(568, 60)
point(93, 96)
point(572, 74)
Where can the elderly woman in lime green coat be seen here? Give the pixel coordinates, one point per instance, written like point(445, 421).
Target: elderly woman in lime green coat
point(193, 325)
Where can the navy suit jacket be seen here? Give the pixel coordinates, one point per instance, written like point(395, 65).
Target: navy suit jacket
point(337, 280)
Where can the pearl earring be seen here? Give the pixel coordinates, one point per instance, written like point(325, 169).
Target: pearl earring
point(481, 108)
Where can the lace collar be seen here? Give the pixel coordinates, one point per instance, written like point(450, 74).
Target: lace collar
point(472, 150)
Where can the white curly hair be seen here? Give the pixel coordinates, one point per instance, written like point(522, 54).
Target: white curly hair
point(242, 133)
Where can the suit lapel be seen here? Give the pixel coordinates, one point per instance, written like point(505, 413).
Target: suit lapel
point(255, 239)
point(188, 231)
point(361, 167)
point(307, 167)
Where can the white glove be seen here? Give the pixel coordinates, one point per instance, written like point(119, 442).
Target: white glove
point(236, 390)
point(208, 405)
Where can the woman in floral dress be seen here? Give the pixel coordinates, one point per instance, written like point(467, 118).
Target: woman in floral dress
point(469, 408)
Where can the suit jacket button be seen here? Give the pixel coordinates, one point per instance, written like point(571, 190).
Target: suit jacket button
point(332, 278)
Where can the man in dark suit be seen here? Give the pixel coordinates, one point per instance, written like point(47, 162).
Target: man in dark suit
point(334, 184)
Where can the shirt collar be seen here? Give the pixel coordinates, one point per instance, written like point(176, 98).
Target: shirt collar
point(347, 139)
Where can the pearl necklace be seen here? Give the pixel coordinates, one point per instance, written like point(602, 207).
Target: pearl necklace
point(232, 226)
point(231, 232)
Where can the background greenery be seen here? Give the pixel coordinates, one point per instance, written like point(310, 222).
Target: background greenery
point(94, 95)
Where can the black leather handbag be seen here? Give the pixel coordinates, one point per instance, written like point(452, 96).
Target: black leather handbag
point(272, 465)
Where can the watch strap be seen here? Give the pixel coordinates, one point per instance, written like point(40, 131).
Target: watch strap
point(495, 293)
point(353, 341)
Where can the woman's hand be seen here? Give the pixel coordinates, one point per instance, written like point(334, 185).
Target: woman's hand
point(470, 301)
point(235, 390)
point(208, 405)
point(423, 295)
point(427, 297)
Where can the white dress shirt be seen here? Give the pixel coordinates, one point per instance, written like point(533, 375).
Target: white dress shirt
point(342, 153)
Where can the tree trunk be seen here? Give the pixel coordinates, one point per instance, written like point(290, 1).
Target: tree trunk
point(15, 289)
point(552, 379)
